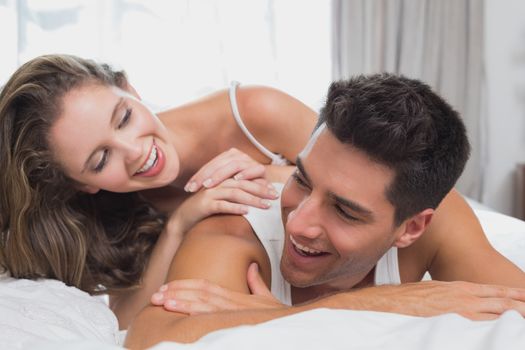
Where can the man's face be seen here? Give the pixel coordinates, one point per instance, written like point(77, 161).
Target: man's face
point(338, 221)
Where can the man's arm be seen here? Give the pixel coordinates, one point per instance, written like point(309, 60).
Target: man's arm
point(418, 299)
point(218, 249)
point(460, 251)
point(208, 253)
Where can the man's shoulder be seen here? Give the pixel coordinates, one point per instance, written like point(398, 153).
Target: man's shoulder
point(219, 249)
point(224, 228)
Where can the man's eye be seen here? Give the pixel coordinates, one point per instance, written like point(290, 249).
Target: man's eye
point(344, 214)
point(125, 119)
point(299, 181)
point(102, 163)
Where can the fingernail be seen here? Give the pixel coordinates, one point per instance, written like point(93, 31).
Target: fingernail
point(171, 303)
point(274, 193)
point(271, 187)
point(245, 209)
point(238, 176)
point(163, 288)
point(190, 187)
point(265, 203)
point(206, 183)
point(158, 297)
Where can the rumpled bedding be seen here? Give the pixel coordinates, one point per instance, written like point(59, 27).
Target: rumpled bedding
point(50, 310)
point(47, 314)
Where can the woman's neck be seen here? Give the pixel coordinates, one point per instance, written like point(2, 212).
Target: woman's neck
point(193, 142)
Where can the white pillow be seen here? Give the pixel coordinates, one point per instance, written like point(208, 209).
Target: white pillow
point(48, 310)
point(505, 233)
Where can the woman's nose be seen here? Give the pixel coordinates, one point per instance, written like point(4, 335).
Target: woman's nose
point(132, 150)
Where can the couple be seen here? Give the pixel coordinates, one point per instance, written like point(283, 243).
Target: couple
point(356, 212)
point(97, 192)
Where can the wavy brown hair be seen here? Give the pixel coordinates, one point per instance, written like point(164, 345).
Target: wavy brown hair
point(48, 228)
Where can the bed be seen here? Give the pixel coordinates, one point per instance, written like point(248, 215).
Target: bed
point(47, 314)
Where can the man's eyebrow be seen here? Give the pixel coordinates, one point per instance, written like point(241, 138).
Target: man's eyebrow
point(355, 207)
point(111, 122)
point(300, 166)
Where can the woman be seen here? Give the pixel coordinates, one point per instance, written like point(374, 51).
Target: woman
point(89, 173)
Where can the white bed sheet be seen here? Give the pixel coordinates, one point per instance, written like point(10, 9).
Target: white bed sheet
point(338, 329)
point(49, 315)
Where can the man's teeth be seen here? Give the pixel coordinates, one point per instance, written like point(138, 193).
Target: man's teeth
point(304, 249)
point(149, 163)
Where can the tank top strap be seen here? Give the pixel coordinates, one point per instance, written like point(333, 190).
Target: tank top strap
point(277, 159)
point(387, 268)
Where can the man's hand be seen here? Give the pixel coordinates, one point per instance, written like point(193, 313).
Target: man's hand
point(430, 298)
point(200, 296)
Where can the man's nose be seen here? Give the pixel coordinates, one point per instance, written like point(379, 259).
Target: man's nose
point(305, 219)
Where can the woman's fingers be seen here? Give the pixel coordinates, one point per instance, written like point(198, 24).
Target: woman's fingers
point(260, 188)
point(228, 199)
point(236, 169)
point(223, 166)
point(254, 171)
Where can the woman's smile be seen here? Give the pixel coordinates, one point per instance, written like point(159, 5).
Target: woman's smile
point(153, 164)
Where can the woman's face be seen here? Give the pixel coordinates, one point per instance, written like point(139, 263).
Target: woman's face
point(105, 138)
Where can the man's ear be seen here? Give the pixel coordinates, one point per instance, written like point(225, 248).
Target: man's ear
point(413, 228)
point(88, 188)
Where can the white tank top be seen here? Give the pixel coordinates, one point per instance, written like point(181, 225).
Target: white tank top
point(277, 159)
point(267, 225)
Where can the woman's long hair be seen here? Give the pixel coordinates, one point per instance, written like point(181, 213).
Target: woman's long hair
point(48, 228)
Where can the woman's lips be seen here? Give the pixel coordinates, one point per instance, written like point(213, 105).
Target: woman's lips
point(157, 166)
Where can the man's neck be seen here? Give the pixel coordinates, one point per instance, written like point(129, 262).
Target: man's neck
point(303, 295)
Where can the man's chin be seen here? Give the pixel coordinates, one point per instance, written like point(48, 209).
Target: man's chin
point(295, 279)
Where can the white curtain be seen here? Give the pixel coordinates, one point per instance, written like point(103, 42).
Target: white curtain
point(437, 41)
point(177, 50)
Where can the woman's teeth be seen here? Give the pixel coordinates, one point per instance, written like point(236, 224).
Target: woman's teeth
point(150, 162)
point(305, 250)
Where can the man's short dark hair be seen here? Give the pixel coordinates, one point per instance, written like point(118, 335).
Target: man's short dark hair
point(403, 124)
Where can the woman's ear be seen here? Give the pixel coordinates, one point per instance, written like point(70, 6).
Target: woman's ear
point(413, 228)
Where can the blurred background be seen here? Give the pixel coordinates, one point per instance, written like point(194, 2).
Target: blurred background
point(471, 51)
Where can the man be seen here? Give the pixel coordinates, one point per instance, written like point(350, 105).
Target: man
point(385, 153)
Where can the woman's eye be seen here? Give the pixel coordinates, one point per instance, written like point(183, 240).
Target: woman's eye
point(102, 162)
point(125, 118)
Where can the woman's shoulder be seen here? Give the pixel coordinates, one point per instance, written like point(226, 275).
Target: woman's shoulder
point(266, 108)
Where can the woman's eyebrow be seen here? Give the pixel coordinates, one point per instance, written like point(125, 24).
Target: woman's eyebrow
point(111, 122)
point(115, 109)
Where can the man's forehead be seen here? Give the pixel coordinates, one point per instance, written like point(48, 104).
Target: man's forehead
point(311, 142)
point(344, 170)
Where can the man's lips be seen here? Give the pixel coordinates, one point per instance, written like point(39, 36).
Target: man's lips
point(305, 250)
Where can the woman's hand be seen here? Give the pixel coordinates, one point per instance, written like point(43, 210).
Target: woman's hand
point(232, 163)
point(200, 296)
point(229, 197)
